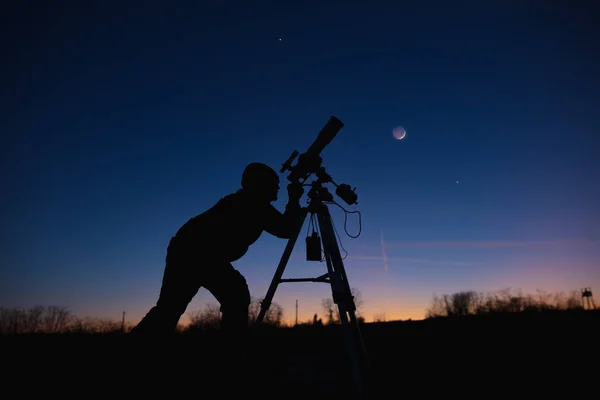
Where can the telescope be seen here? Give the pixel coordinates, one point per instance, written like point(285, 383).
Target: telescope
point(310, 162)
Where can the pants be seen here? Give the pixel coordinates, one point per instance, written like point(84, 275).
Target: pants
point(185, 273)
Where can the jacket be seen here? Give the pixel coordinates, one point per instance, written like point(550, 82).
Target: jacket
point(233, 224)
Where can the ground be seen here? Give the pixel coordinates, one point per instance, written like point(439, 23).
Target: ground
point(520, 355)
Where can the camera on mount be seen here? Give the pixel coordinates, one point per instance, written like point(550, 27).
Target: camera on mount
point(346, 193)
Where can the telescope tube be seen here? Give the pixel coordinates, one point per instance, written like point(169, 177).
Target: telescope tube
point(309, 161)
point(328, 132)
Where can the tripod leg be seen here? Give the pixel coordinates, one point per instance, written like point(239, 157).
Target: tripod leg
point(266, 303)
point(342, 296)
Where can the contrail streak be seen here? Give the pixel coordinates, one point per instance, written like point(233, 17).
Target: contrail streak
point(385, 265)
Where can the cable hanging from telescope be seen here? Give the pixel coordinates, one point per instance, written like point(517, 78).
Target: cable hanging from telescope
point(339, 238)
point(346, 212)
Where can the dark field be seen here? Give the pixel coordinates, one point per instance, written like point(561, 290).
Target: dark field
point(518, 355)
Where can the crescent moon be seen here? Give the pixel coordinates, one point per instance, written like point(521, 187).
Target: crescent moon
point(399, 132)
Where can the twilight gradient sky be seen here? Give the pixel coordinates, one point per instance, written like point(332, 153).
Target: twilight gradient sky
point(121, 122)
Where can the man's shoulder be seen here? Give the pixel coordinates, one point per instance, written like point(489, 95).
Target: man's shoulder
point(240, 200)
point(236, 204)
point(232, 199)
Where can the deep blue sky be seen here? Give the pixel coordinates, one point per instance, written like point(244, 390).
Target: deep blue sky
point(121, 122)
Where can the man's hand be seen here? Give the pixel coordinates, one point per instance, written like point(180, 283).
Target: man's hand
point(295, 190)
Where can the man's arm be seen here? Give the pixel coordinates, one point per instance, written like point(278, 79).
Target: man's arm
point(283, 225)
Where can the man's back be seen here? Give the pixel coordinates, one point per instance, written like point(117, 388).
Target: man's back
point(229, 227)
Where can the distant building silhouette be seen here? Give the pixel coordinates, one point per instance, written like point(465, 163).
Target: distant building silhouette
point(587, 299)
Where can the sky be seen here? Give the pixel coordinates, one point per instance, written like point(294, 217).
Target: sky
point(121, 122)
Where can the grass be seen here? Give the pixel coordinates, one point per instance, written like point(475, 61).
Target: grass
point(537, 353)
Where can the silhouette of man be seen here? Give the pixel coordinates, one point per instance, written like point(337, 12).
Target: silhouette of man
point(201, 252)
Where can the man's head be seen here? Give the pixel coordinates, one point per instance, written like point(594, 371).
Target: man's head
point(260, 181)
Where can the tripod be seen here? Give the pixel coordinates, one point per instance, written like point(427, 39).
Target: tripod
point(335, 276)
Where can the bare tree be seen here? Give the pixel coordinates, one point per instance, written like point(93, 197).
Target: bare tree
point(573, 300)
point(463, 303)
point(33, 319)
point(94, 325)
point(11, 321)
point(56, 319)
point(332, 311)
point(53, 319)
point(437, 308)
point(208, 318)
point(379, 317)
point(273, 316)
point(456, 304)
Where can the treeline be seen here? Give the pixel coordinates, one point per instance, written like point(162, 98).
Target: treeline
point(57, 319)
point(504, 301)
point(52, 319)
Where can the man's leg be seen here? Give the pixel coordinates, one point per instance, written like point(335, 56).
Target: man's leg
point(230, 289)
point(180, 284)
